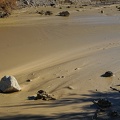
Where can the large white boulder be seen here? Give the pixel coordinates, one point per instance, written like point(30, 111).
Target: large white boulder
point(9, 84)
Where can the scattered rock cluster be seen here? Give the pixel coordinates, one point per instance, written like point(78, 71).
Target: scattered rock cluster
point(41, 94)
point(103, 106)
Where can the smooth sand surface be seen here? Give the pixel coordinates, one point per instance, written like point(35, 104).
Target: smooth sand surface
point(80, 47)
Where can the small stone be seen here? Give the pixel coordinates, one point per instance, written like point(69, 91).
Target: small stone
point(28, 80)
point(77, 68)
point(31, 97)
point(58, 77)
point(33, 74)
point(68, 7)
point(102, 11)
point(70, 87)
point(62, 76)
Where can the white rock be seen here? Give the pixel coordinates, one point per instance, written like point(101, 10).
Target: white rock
point(9, 84)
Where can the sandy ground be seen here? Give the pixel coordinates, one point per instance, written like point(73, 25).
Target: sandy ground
point(80, 47)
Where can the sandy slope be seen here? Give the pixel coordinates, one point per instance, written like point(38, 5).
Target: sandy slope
point(43, 50)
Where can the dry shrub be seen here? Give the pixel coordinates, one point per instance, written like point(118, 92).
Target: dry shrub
point(7, 5)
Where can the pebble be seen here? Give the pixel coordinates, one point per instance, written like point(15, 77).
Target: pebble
point(102, 11)
point(28, 80)
point(70, 87)
point(77, 68)
point(61, 77)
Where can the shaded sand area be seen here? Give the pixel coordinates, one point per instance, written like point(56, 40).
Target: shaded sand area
point(65, 57)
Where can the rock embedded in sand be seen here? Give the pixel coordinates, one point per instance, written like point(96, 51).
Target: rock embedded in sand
point(9, 84)
point(107, 74)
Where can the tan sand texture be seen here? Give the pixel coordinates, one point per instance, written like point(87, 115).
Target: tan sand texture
point(43, 49)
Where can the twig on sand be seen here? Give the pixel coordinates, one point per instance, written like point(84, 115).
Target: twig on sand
point(115, 89)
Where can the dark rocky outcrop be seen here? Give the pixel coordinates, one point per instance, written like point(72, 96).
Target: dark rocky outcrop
point(64, 13)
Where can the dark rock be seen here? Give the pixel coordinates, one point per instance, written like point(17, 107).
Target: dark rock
point(118, 8)
point(68, 7)
point(28, 80)
point(61, 77)
point(64, 13)
point(102, 11)
point(107, 74)
point(52, 4)
point(104, 103)
point(60, 7)
point(31, 97)
point(40, 94)
point(48, 13)
point(77, 68)
point(84, 5)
